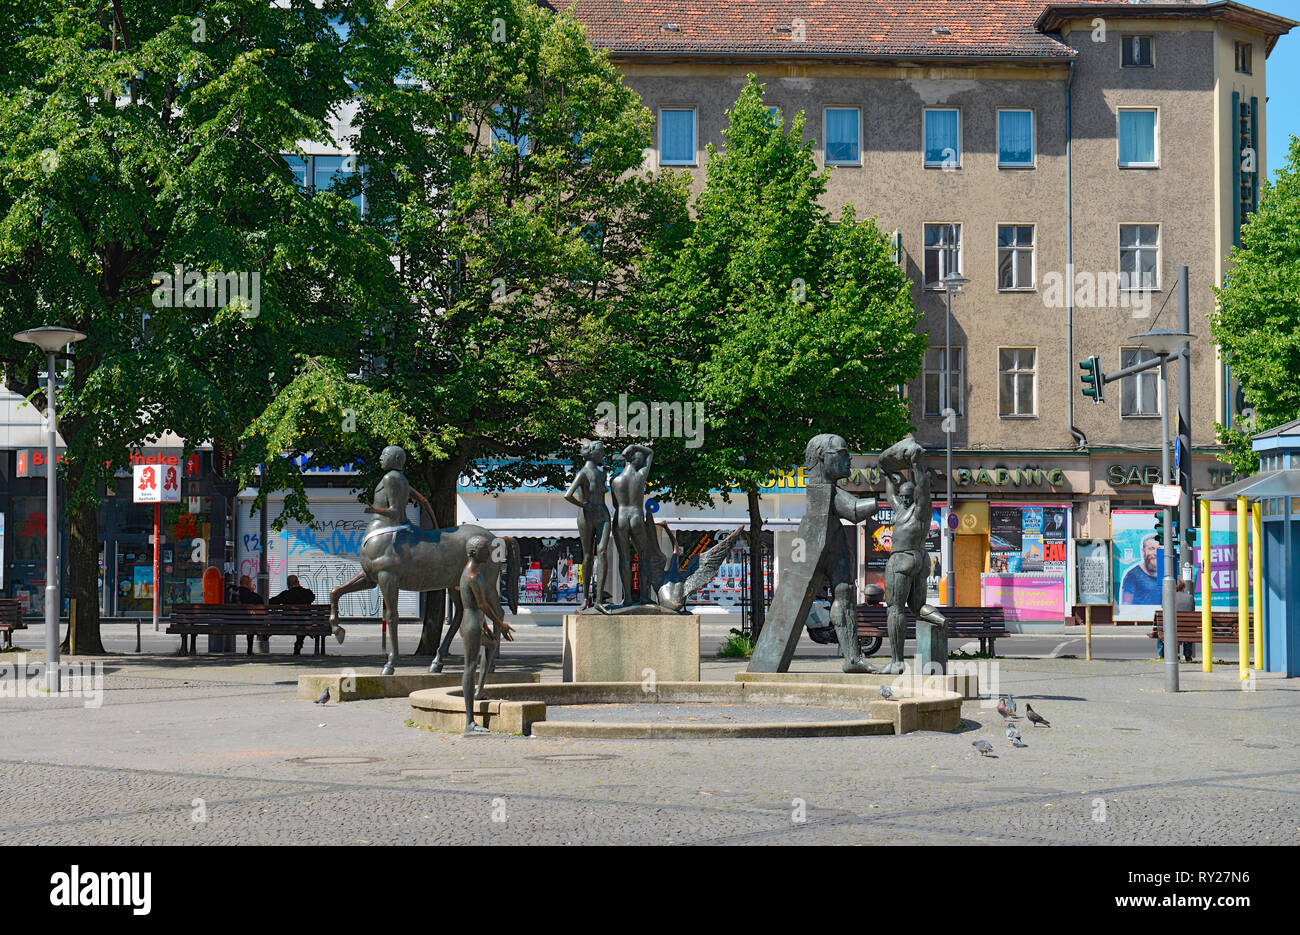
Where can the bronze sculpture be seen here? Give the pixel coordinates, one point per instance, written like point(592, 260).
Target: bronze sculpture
point(479, 599)
point(587, 492)
point(630, 527)
point(821, 552)
point(397, 556)
point(908, 563)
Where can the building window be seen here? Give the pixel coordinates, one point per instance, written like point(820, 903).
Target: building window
point(1015, 139)
point(504, 127)
point(1244, 51)
point(1015, 256)
point(942, 243)
point(843, 136)
point(1016, 379)
point(774, 115)
point(935, 378)
point(1139, 256)
point(1137, 138)
point(677, 136)
point(942, 137)
point(1137, 52)
point(1138, 393)
point(322, 173)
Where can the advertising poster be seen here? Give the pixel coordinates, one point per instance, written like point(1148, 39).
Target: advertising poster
point(1031, 538)
point(1094, 572)
point(1138, 564)
point(1025, 597)
point(143, 582)
point(880, 538)
point(1006, 529)
point(1056, 531)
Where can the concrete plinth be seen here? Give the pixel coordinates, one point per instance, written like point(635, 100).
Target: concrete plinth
point(352, 687)
point(631, 648)
point(911, 682)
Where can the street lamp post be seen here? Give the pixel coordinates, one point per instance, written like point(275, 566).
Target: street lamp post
point(952, 283)
point(1164, 344)
point(50, 339)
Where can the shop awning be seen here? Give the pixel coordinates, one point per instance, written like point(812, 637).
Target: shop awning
point(1285, 483)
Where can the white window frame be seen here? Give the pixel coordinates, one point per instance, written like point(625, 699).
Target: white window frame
point(1124, 384)
point(960, 148)
point(1017, 251)
point(695, 134)
point(1033, 137)
point(1119, 148)
point(941, 375)
point(926, 248)
point(826, 159)
point(1159, 248)
point(1015, 385)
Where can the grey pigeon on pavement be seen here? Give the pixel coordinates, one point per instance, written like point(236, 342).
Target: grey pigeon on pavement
point(983, 746)
point(1035, 718)
point(324, 696)
point(1011, 705)
point(1013, 734)
point(886, 693)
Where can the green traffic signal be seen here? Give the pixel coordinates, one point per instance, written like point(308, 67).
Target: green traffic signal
point(1160, 528)
point(1093, 379)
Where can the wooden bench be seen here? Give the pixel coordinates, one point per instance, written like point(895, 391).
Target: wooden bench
point(249, 620)
point(986, 624)
point(1223, 626)
point(11, 618)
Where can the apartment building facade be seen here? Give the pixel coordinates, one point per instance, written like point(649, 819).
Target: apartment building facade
point(1075, 155)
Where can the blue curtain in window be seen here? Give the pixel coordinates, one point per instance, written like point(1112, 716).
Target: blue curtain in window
point(1137, 137)
point(677, 136)
point(940, 135)
point(1016, 137)
point(842, 139)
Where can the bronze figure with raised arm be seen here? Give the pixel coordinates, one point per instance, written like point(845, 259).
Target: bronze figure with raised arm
point(587, 492)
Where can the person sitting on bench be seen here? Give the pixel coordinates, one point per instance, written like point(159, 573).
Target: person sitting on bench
point(296, 594)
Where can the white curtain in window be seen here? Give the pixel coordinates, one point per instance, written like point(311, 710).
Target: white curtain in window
point(842, 135)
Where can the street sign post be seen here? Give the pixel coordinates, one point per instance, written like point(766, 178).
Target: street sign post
point(156, 484)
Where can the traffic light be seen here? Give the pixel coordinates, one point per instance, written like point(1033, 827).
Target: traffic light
point(1160, 525)
point(1093, 379)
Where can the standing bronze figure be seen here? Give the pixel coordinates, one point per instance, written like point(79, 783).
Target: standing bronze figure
point(630, 530)
point(821, 551)
point(587, 492)
point(907, 487)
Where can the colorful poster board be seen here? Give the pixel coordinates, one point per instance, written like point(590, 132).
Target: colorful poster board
point(1025, 596)
point(1138, 564)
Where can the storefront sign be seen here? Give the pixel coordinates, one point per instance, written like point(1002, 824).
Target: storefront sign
point(31, 462)
point(973, 477)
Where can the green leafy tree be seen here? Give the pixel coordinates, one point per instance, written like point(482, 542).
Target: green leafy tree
point(782, 323)
point(502, 159)
point(137, 135)
point(1257, 325)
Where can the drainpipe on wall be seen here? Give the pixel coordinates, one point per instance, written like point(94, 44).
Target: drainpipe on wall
point(1069, 265)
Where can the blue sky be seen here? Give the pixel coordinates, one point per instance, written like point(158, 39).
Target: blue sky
point(1283, 73)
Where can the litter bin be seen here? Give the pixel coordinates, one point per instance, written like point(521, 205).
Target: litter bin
point(214, 592)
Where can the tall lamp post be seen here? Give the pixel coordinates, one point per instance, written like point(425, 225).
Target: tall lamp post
point(952, 283)
point(1165, 344)
point(50, 340)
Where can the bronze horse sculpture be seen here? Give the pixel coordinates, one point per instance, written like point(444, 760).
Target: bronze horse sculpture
point(396, 556)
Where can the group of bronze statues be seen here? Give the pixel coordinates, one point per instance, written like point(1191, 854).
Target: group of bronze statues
point(468, 560)
point(821, 553)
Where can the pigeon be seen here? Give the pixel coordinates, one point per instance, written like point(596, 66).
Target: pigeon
point(886, 692)
point(1035, 718)
point(324, 696)
point(1003, 709)
point(1011, 705)
point(983, 746)
point(1013, 734)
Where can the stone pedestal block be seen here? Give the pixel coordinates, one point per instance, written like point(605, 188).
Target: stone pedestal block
point(932, 647)
point(621, 648)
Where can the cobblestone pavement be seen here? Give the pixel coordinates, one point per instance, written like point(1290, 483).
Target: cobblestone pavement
point(219, 750)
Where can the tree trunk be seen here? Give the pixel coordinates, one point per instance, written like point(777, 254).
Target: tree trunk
point(757, 592)
point(83, 570)
point(440, 487)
